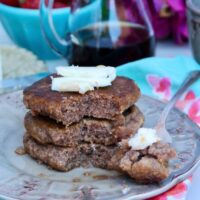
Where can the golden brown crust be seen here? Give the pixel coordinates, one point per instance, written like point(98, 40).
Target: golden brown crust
point(70, 107)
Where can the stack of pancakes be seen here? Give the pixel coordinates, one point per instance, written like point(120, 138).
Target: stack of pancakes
point(67, 129)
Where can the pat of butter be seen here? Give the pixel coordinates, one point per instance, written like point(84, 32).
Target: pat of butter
point(143, 138)
point(82, 79)
point(62, 85)
point(87, 72)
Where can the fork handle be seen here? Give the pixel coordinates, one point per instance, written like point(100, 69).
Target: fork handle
point(191, 78)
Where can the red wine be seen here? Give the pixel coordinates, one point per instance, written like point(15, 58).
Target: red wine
point(111, 44)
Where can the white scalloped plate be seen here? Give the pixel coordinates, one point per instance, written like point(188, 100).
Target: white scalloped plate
point(23, 178)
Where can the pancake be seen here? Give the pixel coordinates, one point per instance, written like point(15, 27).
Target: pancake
point(68, 158)
point(99, 131)
point(146, 166)
point(70, 107)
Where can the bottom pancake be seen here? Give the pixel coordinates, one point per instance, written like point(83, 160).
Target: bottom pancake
point(145, 166)
point(67, 158)
point(99, 131)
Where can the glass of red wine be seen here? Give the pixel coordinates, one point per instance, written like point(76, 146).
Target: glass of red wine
point(102, 32)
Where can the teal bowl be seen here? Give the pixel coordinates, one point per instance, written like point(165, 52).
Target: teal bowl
point(23, 27)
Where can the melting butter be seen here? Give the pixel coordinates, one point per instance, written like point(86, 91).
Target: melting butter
point(87, 72)
point(143, 138)
point(82, 79)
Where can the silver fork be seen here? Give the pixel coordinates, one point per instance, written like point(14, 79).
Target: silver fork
point(160, 126)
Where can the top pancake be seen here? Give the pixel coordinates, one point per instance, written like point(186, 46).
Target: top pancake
point(70, 107)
